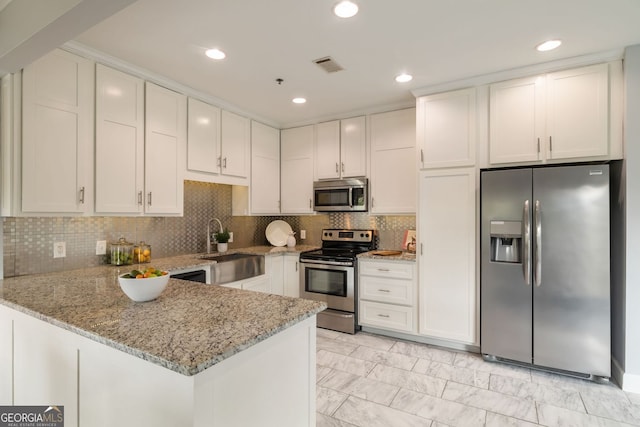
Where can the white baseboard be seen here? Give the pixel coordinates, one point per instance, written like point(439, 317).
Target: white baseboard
point(626, 381)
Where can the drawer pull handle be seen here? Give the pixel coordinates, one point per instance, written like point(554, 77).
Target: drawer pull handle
point(384, 290)
point(383, 269)
point(383, 315)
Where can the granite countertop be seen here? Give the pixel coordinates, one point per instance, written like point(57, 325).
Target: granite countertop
point(189, 328)
point(404, 256)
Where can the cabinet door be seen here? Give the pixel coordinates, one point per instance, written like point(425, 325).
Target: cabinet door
point(353, 147)
point(274, 267)
point(578, 112)
point(57, 134)
point(265, 169)
point(235, 144)
point(119, 142)
point(516, 123)
point(393, 156)
point(327, 150)
point(447, 259)
point(446, 129)
point(6, 356)
point(258, 284)
point(165, 136)
point(203, 144)
point(296, 176)
point(291, 276)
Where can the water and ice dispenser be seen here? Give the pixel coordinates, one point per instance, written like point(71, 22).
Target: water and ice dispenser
point(506, 241)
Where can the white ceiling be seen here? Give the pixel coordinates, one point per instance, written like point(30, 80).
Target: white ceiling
point(436, 41)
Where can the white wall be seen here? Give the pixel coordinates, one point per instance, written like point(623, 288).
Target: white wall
point(631, 358)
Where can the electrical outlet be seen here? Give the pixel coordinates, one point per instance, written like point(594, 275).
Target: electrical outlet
point(59, 250)
point(101, 247)
point(303, 234)
point(230, 236)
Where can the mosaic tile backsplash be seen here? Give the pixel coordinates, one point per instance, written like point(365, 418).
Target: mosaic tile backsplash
point(28, 241)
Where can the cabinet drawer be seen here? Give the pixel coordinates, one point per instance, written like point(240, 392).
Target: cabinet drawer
point(386, 316)
point(389, 290)
point(399, 270)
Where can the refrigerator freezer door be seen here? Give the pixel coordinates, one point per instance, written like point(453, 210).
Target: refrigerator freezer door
point(571, 314)
point(505, 296)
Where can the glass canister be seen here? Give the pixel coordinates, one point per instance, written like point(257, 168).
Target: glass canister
point(121, 252)
point(142, 253)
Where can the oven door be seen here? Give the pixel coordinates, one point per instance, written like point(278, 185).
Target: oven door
point(333, 284)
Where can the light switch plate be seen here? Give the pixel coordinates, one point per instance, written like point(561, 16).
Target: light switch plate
point(59, 250)
point(231, 237)
point(101, 247)
point(303, 234)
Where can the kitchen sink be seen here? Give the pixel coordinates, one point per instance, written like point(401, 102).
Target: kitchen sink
point(233, 267)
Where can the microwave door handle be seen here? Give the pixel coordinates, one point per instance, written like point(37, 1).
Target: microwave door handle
point(350, 197)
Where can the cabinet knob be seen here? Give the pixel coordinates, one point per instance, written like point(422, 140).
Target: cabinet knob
point(342, 167)
point(224, 163)
point(149, 198)
point(140, 198)
point(82, 195)
point(337, 170)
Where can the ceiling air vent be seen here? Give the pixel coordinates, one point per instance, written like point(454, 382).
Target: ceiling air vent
point(328, 64)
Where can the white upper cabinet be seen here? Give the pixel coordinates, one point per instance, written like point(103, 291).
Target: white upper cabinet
point(327, 150)
point(353, 147)
point(562, 115)
point(235, 140)
point(393, 154)
point(340, 148)
point(165, 147)
point(57, 134)
point(265, 169)
point(296, 176)
point(119, 142)
point(578, 112)
point(516, 120)
point(446, 129)
point(203, 144)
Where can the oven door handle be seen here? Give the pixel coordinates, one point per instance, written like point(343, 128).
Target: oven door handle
point(323, 262)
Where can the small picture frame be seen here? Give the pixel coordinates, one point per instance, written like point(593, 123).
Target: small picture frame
point(409, 241)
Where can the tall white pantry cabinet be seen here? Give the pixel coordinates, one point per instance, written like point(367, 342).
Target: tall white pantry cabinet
point(448, 290)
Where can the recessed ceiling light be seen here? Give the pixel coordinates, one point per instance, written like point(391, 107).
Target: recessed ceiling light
point(404, 77)
point(345, 9)
point(298, 100)
point(548, 45)
point(215, 54)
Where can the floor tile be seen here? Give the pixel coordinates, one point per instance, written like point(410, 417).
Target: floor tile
point(442, 411)
point(606, 405)
point(553, 416)
point(323, 420)
point(334, 345)
point(491, 401)
point(409, 380)
point(499, 420)
point(394, 360)
point(571, 383)
point(328, 400)
point(423, 351)
point(368, 414)
point(452, 373)
point(321, 372)
point(539, 392)
point(344, 363)
point(634, 398)
point(368, 340)
point(361, 387)
point(475, 361)
point(327, 333)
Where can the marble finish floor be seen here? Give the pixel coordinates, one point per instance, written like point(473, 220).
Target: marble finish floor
point(372, 381)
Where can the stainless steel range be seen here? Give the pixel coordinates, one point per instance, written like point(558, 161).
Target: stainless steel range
point(330, 275)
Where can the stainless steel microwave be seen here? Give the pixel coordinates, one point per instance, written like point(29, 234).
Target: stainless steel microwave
point(343, 195)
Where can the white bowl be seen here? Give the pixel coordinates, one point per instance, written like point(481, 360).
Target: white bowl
point(141, 290)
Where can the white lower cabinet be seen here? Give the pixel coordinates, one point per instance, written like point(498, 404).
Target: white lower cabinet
point(292, 275)
point(6, 358)
point(447, 255)
point(260, 283)
point(387, 295)
point(274, 268)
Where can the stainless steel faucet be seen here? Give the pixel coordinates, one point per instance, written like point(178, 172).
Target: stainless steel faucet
point(209, 235)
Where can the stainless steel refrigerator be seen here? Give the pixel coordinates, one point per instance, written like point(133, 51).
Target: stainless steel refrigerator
point(544, 290)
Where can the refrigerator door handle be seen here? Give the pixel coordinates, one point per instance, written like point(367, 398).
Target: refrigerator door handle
point(538, 244)
point(526, 234)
